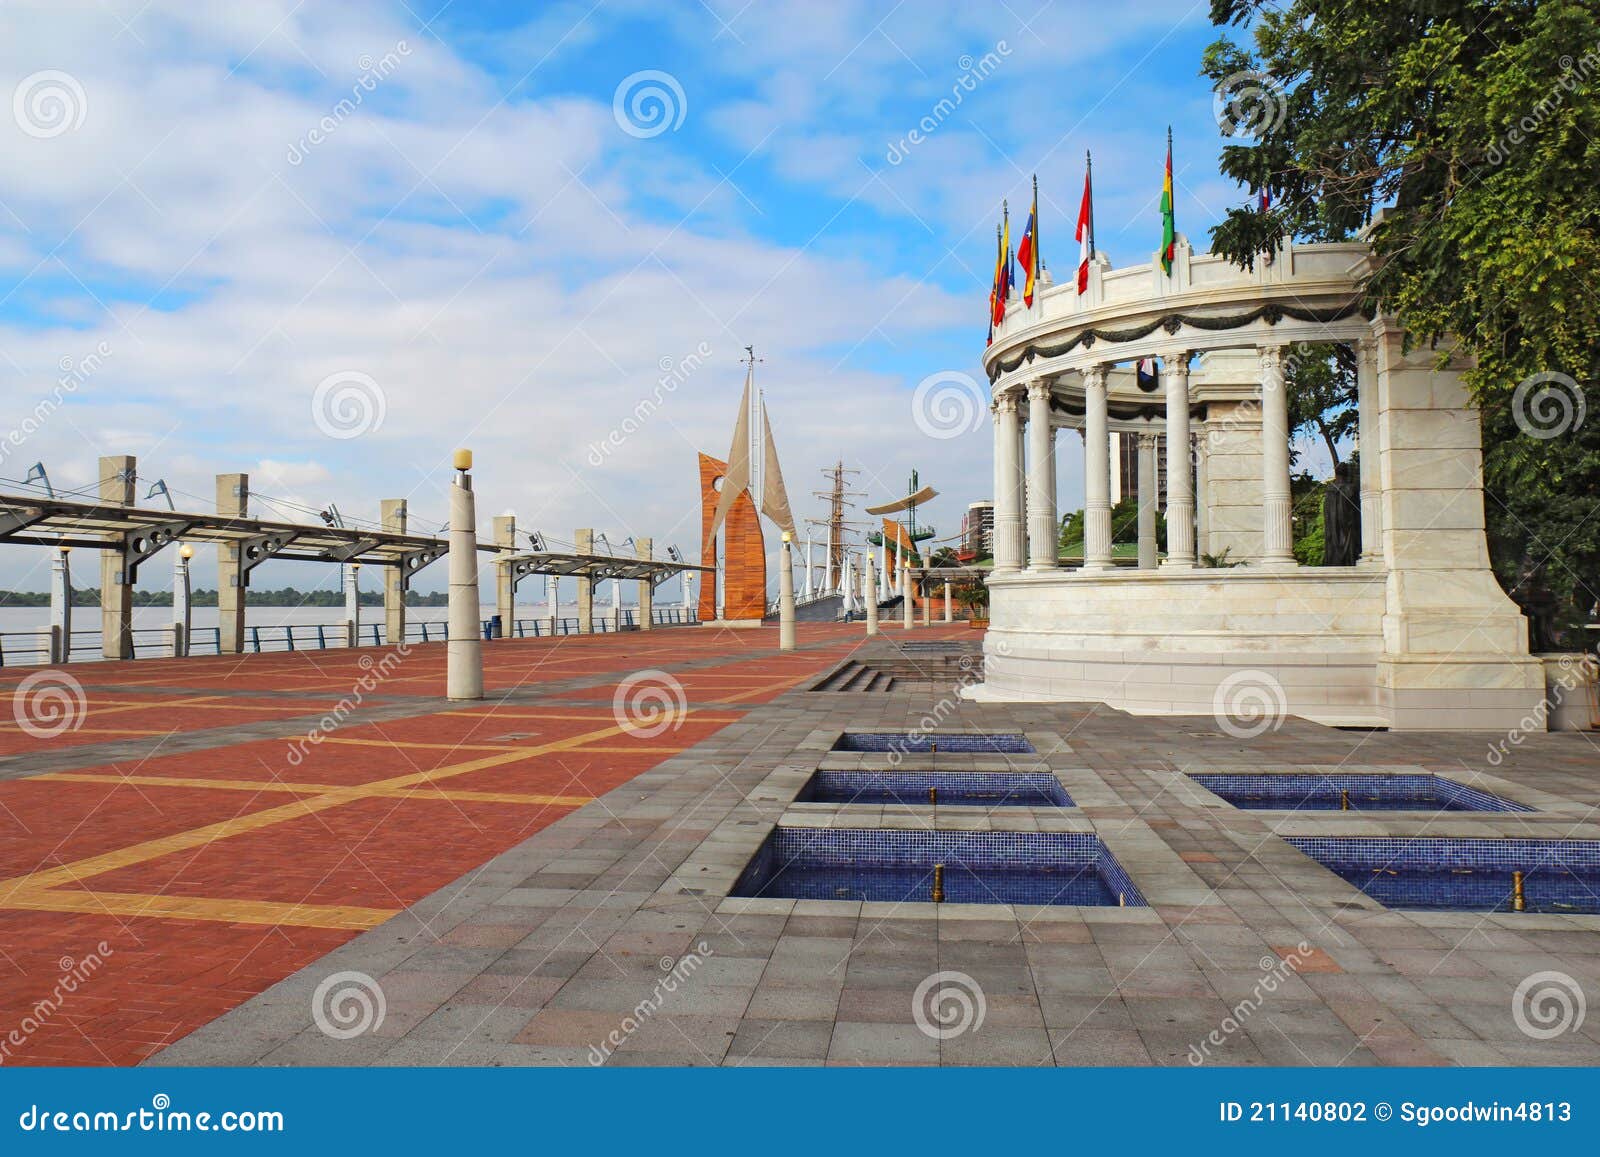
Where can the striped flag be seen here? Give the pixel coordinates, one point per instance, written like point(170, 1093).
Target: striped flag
point(1085, 234)
point(1169, 226)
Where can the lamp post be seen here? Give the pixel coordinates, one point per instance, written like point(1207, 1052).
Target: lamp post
point(464, 650)
point(182, 619)
point(786, 641)
point(61, 606)
point(352, 604)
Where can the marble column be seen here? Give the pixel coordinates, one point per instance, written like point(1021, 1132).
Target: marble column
point(1042, 534)
point(1367, 443)
point(1180, 484)
point(1202, 497)
point(1277, 545)
point(1097, 472)
point(1007, 485)
point(1148, 498)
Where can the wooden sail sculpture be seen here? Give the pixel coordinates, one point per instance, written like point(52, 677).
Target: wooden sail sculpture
point(730, 509)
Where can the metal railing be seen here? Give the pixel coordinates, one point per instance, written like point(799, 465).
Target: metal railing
point(36, 648)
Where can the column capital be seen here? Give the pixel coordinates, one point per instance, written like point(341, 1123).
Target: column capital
point(1095, 375)
point(1039, 390)
point(1271, 356)
point(1005, 402)
point(1175, 361)
point(1146, 441)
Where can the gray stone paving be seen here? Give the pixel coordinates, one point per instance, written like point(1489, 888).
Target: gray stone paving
point(561, 950)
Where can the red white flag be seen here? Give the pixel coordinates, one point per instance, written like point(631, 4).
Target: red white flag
point(1085, 236)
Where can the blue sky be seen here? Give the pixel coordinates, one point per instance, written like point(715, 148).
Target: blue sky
point(479, 243)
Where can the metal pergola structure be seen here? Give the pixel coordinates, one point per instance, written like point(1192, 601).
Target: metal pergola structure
point(141, 533)
point(596, 566)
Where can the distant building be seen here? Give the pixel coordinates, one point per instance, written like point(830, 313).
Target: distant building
point(977, 532)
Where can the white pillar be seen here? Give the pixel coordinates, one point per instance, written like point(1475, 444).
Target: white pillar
point(927, 605)
point(1180, 487)
point(1367, 444)
point(846, 594)
point(182, 619)
point(352, 604)
point(583, 543)
point(645, 548)
point(1042, 533)
point(616, 605)
point(786, 641)
point(1097, 472)
point(464, 651)
point(869, 583)
point(61, 606)
point(1148, 553)
point(552, 591)
point(949, 611)
point(1007, 485)
point(805, 587)
point(1202, 483)
point(905, 597)
point(1277, 546)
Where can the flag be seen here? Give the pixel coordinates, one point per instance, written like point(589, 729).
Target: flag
point(1028, 248)
point(1169, 227)
point(1145, 375)
point(994, 282)
point(1265, 202)
point(1085, 234)
point(1002, 286)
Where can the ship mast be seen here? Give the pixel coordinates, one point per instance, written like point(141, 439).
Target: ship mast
point(836, 523)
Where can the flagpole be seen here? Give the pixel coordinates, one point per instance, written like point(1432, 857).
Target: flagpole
point(1089, 177)
point(1038, 259)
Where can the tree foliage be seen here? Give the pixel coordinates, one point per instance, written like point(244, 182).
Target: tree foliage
point(1462, 139)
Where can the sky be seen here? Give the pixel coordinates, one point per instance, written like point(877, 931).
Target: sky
point(327, 244)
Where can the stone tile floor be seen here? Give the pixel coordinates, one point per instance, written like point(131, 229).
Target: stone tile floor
point(607, 938)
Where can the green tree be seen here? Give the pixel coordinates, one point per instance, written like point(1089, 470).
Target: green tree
point(1322, 393)
point(1473, 125)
